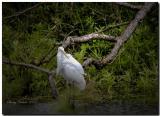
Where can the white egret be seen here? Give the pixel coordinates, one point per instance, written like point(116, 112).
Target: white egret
point(70, 69)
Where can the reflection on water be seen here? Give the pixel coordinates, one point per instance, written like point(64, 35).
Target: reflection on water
point(103, 108)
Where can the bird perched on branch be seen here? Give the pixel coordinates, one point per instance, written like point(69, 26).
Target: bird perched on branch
point(70, 69)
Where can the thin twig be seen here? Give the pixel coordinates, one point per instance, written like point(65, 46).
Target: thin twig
point(130, 5)
point(22, 12)
point(70, 33)
point(43, 59)
point(113, 26)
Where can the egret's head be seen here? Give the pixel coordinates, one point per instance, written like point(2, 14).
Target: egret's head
point(61, 49)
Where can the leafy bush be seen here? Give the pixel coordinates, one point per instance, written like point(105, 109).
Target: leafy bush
point(29, 37)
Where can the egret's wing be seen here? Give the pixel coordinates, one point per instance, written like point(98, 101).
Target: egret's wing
point(73, 75)
point(61, 60)
point(72, 67)
point(70, 72)
point(78, 66)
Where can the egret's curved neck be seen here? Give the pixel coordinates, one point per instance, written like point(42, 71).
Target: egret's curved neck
point(64, 53)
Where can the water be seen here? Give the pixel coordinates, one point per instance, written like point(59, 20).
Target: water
point(123, 108)
point(111, 108)
point(37, 108)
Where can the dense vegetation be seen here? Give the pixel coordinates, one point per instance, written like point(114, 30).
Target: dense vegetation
point(34, 36)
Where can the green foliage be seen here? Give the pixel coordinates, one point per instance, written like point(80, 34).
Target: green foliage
point(14, 84)
point(147, 83)
point(30, 37)
point(81, 54)
point(12, 89)
point(7, 44)
point(105, 84)
point(39, 85)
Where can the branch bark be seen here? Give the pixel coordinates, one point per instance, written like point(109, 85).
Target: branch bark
point(128, 32)
point(88, 37)
point(129, 5)
point(27, 66)
point(52, 85)
point(122, 38)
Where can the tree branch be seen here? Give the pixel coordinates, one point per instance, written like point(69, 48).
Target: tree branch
point(86, 38)
point(129, 5)
point(22, 12)
point(27, 66)
point(113, 26)
point(119, 41)
point(122, 38)
point(52, 85)
point(44, 58)
point(49, 73)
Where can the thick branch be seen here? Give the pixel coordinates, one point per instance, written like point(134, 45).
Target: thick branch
point(130, 5)
point(27, 66)
point(22, 12)
point(123, 38)
point(88, 37)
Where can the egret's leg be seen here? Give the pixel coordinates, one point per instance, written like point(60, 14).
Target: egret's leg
point(71, 98)
point(68, 90)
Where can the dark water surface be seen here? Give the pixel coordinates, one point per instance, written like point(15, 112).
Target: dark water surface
point(112, 108)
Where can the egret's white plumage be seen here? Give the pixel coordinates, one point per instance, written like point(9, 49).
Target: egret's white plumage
point(75, 62)
point(70, 69)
